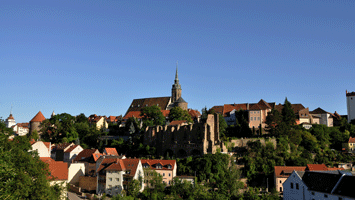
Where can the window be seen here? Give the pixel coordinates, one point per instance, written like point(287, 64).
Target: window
point(280, 189)
point(169, 182)
point(109, 186)
point(163, 174)
point(117, 179)
point(325, 195)
point(291, 185)
point(110, 179)
point(280, 181)
point(169, 176)
point(251, 118)
point(254, 118)
point(297, 186)
point(258, 118)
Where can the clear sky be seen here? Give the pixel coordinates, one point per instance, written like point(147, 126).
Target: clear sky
point(95, 57)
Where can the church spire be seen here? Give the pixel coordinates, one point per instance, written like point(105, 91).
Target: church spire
point(176, 90)
point(176, 74)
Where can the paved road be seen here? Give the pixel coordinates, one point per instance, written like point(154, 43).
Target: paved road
point(73, 196)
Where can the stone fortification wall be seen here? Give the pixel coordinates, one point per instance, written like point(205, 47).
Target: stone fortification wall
point(244, 142)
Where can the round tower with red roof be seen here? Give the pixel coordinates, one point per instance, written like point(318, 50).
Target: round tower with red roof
point(36, 122)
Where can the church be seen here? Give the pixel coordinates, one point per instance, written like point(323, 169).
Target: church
point(165, 103)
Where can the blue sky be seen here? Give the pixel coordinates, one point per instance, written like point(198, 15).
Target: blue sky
point(97, 56)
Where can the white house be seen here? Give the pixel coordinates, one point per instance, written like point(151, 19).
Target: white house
point(312, 185)
point(71, 153)
point(75, 171)
point(43, 148)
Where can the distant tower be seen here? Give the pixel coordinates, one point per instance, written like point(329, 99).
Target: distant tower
point(10, 121)
point(176, 90)
point(350, 102)
point(53, 114)
point(36, 122)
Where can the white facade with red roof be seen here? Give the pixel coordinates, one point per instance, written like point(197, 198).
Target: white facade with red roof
point(114, 174)
point(71, 153)
point(43, 148)
point(166, 168)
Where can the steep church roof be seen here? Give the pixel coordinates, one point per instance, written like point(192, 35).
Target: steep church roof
point(38, 118)
point(138, 104)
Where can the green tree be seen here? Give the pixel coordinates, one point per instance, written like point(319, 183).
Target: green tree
point(133, 188)
point(152, 116)
point(22, 174)
point(178, 113)
point(273, 121)
point(288, 115)
point(222, 126)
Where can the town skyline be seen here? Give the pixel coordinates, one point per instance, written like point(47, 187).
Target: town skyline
point(96, 57)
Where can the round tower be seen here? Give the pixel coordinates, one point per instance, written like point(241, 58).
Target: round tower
point(36, 122)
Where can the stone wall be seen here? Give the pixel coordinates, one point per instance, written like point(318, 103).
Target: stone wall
point(244, 142)
point(87, 183)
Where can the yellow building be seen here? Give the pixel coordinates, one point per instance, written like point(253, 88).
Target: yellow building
point(350, 145)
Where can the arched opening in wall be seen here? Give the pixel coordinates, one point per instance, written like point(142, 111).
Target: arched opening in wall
point(169, 153)
point(196, 152)
point(182, 153)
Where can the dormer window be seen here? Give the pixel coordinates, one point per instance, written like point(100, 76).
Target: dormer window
point(158, 166)
point(169, 166)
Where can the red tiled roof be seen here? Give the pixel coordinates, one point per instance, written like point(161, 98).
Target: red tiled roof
point(84, 154)
point(38, 118)
point(62, 146)
point(71, 148)
point(136, 114)
point(32, 141)
point(10, 117)
point(335, 168)
point(58, 169)
point(177, 122)
point(48, 145)
point(318, 111)
point(164, 163)
point(138, 104)
point(96, 156)
point(23, 125)
point(131, 164)
point(111, 151)
point(316, 167)
point(165, 112)
point(194, 113)
point(351, 140)
point(284, 171)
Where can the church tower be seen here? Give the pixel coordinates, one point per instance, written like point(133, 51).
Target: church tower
point(176, 90)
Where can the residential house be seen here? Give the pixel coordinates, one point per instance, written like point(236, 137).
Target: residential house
point(281, 174)
point(349, 146)
point(110, 152)
point(65, 152)
point(98, 121)
point(75, 171)
point(114, 119)
point(86, 157)
point(21, 129)
point(166, 168)
point(58, 173)
point(114, 174)
point(319, 185)
point(43, 148)
point(320, 116)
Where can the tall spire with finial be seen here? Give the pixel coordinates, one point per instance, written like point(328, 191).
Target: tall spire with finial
point(176, 90)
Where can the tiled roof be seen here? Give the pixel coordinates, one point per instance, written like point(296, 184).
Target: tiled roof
point(316, 167)
point(48, 145)
point(138, 104)
point(71, 148)
point(62, 146)
point(23, 125)
point(346, 187)
point(113, 118)
point(295, 107)
point(10, 117)
point(96, 156)
point(85, 154)
point(111, 151)
point(320, 182)
point(351, 140)
point(58, 169)
point(177, 122)
point(136, 114)
point(194, 113)
point(32, 141)
point(38, 118)
point(152, 164)
point(165, 113)
point(218, 109)
point(131, 164)
point(318, 111)
point(117, 164)
point(285, 171)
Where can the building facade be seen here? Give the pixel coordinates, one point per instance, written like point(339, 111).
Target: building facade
point(350, 105)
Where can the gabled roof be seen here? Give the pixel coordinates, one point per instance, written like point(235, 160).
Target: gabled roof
point(285, 171)
point(136, 114)
point(316, 167)
point(116, 164)
point(85, 154)
point(96, 156)
point(62, 146)
point(165, 112)
point(10, 117)
point(295, 107)
point(177, 122)
point(70, 149)
point(346, 187)
point(152, 164)
point(138, 104)
point(351, 140)
point(38, 118)
point(318, 111)
point(23, 125)
point(111, 151)
point(321, 182)
point(58, 169)
point(194, 113)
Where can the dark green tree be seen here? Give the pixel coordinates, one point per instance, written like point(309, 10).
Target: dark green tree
point(288, 115)
point(152, 116)
point(178, 113)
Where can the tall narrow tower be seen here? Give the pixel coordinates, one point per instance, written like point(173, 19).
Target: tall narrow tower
point(350, 101)
point(176, 90)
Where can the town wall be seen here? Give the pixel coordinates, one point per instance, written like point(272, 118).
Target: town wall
point(244, 141)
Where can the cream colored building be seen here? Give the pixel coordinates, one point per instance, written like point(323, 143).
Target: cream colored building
point(98, 121)
point(166, 168)
point(43, 148)
point(350, 145)
point(75, 171)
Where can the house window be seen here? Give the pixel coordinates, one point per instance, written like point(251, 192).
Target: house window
point(258, 118)
point(163, 174)
point(280, 189)
point(280, 181)
point(251, 118)
point(297, 186)
point(291, 185)
point(254, 118)
point(110, 179)
point(109, 186)
point(169, 182)
point(169, 176)
point(325, 195)
point(117, 179)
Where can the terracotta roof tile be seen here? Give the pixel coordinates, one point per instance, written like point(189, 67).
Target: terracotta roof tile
point(164, 163)
point(177, 122)
point(138, 104)
point(351, 140)
point(316, 167)
point(165, 112)
point(96, 156)
point(38, 118)
point(85, 154)
point(285, 171)
point(318, 111)
point(71, 148)
point(111, 151)
point(58, 169)
point(194, 113)
point(136, 114)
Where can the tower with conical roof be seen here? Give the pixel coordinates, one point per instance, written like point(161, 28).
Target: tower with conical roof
point(10, 121)
point(36, 122)
point(176, 90)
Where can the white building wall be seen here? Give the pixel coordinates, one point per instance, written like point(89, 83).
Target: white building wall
point(41, 149)
point(75, 171)
point(114, 182)
point(294, 193)
point(140, 172)
point(350, 101)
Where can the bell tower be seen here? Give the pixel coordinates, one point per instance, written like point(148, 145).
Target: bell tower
point(176, 90)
